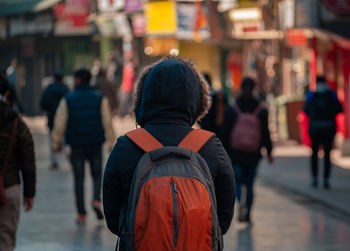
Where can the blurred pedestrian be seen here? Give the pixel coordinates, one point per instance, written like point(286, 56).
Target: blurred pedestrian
point(12, 98)
point(108, 89)
point(84, 117)
point(322, 107)
point(17, 162)
point(12, 73)
point(49, 102)
point(218, 118)
point(114, 70)
point(170, 97)
point(96, 68)
point(126, 88)
point(250, 133)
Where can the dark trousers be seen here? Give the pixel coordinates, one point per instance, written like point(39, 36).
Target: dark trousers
point(327, 142)
point(93, 154)
point(245, 176)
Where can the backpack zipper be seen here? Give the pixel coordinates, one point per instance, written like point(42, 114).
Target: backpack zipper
point(175, 211)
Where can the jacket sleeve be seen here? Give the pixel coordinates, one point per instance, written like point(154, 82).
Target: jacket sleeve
point(60, 124)
point(107, 122)
point(26, 149)
point(224, 187)
point(112, 199)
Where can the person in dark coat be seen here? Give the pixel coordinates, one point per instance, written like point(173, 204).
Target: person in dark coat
point(217, 120)
point(84, 119)
point(322, 106)
point(170, 97)
point(20, 168)
point(107, 89)
point(49, 102)
point(245, 164)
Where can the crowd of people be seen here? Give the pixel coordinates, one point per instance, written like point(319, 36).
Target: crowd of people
point(165, 185)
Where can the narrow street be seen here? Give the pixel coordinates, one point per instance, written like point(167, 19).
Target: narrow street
point(282, 220)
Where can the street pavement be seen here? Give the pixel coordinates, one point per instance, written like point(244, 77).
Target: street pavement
point(283, 219)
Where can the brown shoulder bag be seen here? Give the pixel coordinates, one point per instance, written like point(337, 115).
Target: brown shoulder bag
point(3, 198)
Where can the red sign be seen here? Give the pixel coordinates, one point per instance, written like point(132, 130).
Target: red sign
point(296, 38)
point(339, 7)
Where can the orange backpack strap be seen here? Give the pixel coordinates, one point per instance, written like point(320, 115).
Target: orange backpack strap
point(144, 140)
point(196, 139)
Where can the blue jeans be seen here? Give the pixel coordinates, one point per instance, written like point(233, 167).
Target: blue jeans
point(245, 177)
point(93, 154)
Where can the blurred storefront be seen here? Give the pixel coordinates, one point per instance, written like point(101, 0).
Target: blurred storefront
point(44, 36)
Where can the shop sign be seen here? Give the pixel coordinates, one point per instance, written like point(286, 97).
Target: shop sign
point(116, 25)
point(138, 25)
point(71, 20)
point(110, 5)
point(187, 16)
point(339, 7)
point(133, 5)
point(296, 38)
point(287, 14)
point(40, 24)
point(160, 17)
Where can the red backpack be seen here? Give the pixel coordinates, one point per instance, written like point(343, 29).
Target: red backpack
point(172, 203)
point(246, 134)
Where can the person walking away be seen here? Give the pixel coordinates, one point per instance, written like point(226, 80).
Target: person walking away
point(84, 117)
point(250, 133)
point(49, 102)
point(107, 89)
point(17, 162)
point(322, 106)
point(170, 97)
point(217, 120)
point(126, 88)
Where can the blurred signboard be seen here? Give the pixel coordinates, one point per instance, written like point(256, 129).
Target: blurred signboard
point(339, 7)
point(110, 5)
point(71, 19)
point(160, 17)
point(138, 25)
point(113, 25)
point(296, 37)
point(287, 14)
point(187, 16)
point(133, 5)
point(40, 24)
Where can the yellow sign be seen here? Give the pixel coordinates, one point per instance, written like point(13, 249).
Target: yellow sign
point(161, 17)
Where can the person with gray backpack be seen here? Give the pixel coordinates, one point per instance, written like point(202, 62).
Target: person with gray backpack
point(166, 185)
point(250, 133)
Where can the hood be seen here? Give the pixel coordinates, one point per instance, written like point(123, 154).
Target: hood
point(6, 113)
point(171, 91)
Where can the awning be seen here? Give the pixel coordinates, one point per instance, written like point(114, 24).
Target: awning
point(17, 7)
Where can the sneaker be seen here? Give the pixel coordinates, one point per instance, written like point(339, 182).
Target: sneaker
point(97, 208)
point(81, 219)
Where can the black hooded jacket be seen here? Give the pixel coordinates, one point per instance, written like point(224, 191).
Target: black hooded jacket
point(168, 104)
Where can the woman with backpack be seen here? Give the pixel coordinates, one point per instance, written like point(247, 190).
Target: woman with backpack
point(158, 196)
point(250, 133)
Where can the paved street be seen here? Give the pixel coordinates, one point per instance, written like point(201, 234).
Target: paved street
point(283, 220)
